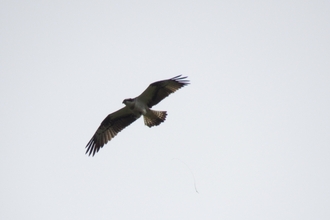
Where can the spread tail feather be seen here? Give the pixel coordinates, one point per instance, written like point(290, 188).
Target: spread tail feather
point(154, 118)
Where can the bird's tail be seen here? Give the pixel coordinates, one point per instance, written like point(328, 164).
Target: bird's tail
point(154, 118)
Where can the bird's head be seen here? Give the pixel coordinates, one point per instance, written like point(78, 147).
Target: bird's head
point(127, 101)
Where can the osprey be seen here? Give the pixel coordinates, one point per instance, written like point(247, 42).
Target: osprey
point(134, 108)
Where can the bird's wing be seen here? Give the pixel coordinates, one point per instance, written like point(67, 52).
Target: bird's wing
point(159, 90)
point(110, 127)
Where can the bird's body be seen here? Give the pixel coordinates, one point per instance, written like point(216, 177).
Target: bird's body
point(134, 108)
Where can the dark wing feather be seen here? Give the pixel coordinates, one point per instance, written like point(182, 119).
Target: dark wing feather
point(109, 128)
point(157, 91)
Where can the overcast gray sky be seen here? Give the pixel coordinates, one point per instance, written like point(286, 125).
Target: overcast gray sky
point(252, 127)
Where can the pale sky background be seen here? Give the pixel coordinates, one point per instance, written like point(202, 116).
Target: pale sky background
point(253, 126)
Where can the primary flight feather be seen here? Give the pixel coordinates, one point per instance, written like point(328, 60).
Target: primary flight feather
point(134, 108)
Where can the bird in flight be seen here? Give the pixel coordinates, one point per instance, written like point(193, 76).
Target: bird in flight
point(134, 108)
